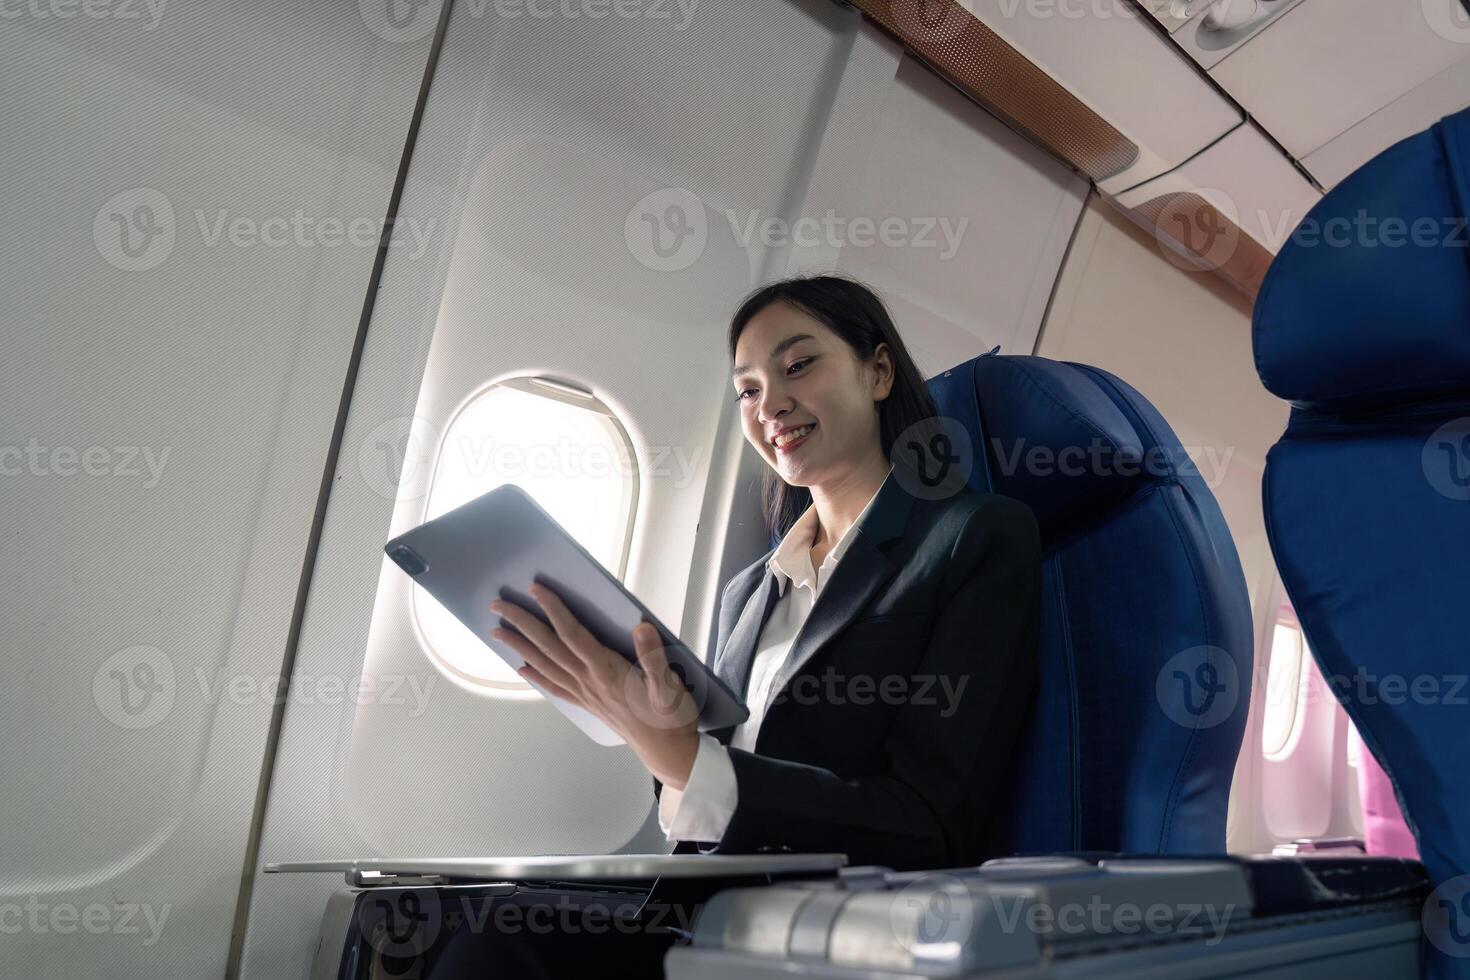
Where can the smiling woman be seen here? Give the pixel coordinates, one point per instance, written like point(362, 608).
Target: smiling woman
point(831, 400)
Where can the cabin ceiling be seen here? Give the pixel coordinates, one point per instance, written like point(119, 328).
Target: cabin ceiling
point(1224, 121)
point(1333, 81)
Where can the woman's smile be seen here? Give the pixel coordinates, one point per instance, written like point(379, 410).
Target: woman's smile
point(785, 444)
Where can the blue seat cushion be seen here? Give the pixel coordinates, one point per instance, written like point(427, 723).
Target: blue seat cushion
point(1353, 312)
point(1142, 590)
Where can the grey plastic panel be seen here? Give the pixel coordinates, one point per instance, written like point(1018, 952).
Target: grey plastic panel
point(1041, 918)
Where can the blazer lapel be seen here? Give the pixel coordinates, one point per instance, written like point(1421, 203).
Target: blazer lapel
point(733, 665)
point(858, 576)
point(863, 570)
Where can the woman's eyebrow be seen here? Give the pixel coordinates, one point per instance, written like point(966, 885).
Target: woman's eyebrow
point(775, 352)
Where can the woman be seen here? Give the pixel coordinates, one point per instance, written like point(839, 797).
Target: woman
point(884, 717)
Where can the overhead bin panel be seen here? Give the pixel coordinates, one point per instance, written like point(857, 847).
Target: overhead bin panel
point(1084, 79)
point(1246, 179)
point(1326, 65)
point(1443, 95)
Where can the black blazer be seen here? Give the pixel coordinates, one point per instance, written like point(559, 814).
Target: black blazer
point(899, 712)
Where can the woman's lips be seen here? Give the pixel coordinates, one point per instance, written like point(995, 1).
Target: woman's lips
point(792, 446)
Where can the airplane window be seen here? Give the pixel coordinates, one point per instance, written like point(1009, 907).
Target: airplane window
point(1354, 747)
point(1284, 687)
point(567, 450)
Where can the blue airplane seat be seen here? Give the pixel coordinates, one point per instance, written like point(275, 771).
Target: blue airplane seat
point(1146, 636)
point(1363, 323)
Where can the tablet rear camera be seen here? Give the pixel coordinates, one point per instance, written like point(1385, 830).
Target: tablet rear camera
point(407, 559)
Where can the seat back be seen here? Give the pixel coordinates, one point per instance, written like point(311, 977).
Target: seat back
point(1363, 323)
point(1146, 638)
point(1385, 831)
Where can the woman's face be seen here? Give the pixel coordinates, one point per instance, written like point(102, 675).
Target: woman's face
point(792, 371)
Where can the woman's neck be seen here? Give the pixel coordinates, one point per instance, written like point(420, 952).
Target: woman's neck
point(840, 503)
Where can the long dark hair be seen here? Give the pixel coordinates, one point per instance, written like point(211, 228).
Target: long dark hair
point(856, 314)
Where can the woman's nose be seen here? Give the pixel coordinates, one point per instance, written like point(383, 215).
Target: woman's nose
point(771, 409)
point(774, 403)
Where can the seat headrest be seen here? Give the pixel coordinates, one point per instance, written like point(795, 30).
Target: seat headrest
point(1368, 302)
point(1055, 439)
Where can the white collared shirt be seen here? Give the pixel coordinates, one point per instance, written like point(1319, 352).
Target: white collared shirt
point(702, 811)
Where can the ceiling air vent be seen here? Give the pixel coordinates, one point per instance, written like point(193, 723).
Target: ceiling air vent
point(1214, 28)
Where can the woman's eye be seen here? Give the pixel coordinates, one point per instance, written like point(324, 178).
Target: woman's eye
point(794, 366)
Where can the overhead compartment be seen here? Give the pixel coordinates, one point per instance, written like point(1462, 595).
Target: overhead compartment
point(1108, 55)
point(1247, 179)
point(1095, 82)
point(1443, 95)
point(1229, 209)
point(1327, 65)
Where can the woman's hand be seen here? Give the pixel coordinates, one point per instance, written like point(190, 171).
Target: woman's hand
point(646, 704)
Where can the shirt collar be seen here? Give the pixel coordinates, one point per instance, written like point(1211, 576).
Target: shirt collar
point(792, 560)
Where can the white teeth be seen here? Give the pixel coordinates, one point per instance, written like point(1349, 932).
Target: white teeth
point(791, 436)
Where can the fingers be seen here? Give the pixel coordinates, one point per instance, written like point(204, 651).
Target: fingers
point(533, 676)
point(669, 703)
point(537, 658)
point(566, 651)
point(578, 639)
point(529, 626)
point(652, 659)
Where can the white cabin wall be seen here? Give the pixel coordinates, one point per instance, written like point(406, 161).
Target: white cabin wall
point(542, 143)
point(128, 798)
point(1182, 338)
point(982, 219)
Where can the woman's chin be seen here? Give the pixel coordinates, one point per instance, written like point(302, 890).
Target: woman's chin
point(796, 473)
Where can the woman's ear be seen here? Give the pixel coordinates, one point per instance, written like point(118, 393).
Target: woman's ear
point(883, 372)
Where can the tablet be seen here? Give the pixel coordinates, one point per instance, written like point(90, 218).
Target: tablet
point(498, 544)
